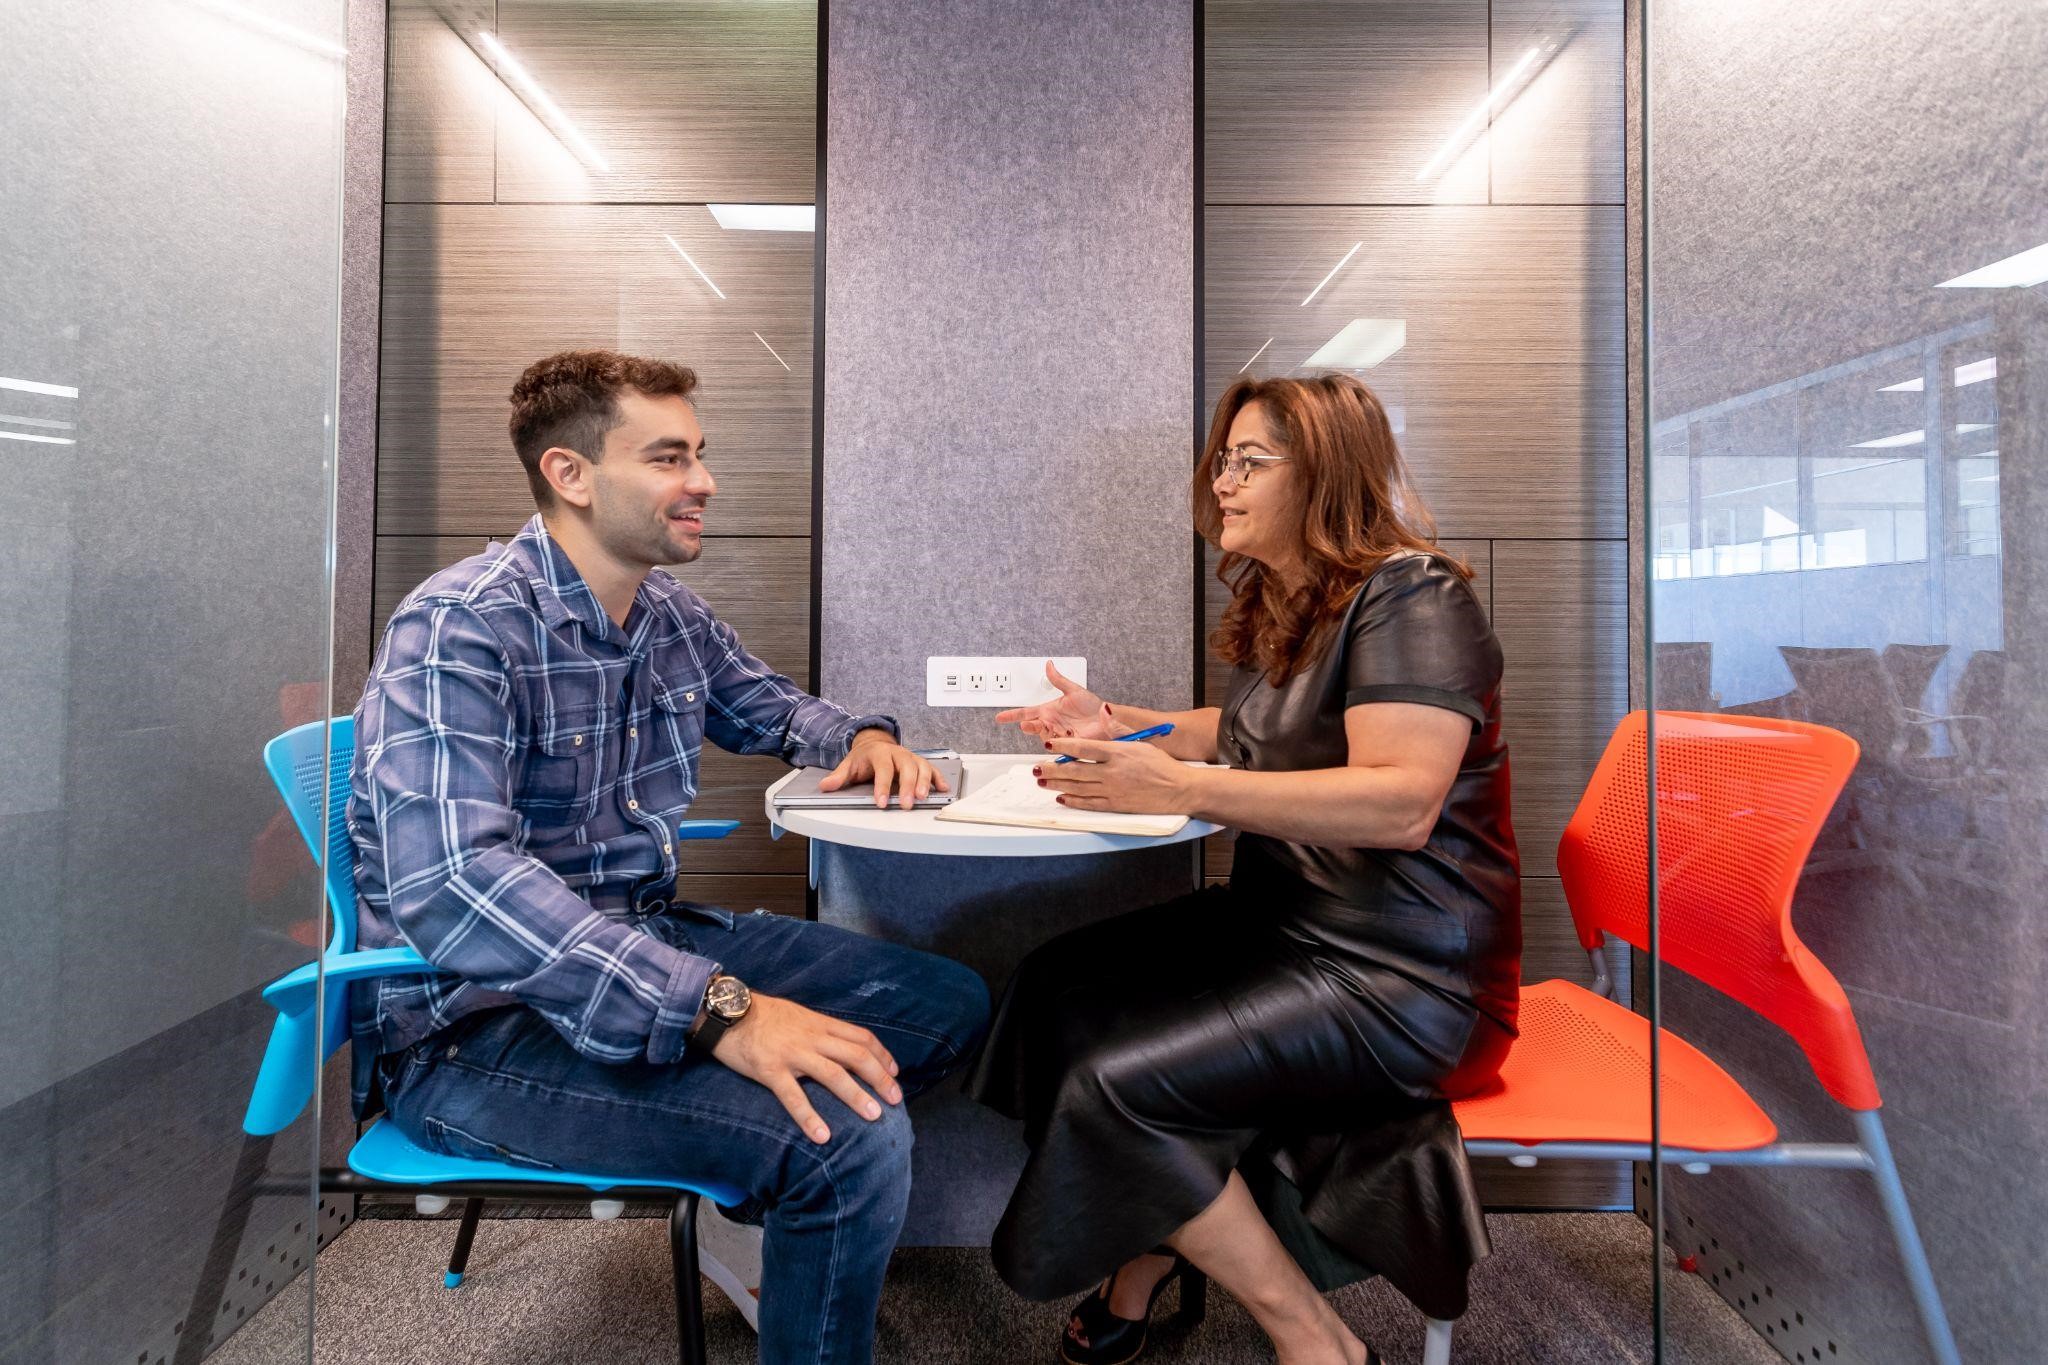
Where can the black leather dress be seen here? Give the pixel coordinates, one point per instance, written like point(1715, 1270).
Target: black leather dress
point(1307, 1020)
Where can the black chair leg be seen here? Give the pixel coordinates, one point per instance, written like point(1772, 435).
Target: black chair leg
point(682, 1246)
point(472, 1209)
point(1194, 1296)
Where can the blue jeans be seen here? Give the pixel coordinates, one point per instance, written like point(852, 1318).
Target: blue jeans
point(504, 1085)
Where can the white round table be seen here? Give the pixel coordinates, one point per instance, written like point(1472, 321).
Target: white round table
point(921, 831)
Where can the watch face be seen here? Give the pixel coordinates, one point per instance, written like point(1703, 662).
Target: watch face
point(728, 997)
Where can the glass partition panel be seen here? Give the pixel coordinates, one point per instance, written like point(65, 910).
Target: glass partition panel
point(167, 381)
point(1844, 266)
point(1430, 198)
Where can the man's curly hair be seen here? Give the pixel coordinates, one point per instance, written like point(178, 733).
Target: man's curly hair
point(572, 399)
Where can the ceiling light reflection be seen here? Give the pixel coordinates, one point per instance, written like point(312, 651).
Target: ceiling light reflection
point(1977, 371)
point(1473, 120)
point(32, 386)
point(694, 266)
point(32, 436)
point(529, 90)
point(1332, 275)
point(1363, 343)
point(766, 217)
point(1255, 355)
point(273, 28)
point(771, 351)
point(2022, 271)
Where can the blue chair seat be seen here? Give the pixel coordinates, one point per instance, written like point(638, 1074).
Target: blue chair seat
point(384, 1153)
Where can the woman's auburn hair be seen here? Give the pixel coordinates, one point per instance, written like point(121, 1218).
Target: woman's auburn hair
point(1356, 510)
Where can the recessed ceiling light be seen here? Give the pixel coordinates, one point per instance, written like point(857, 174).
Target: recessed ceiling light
point(2023, 271)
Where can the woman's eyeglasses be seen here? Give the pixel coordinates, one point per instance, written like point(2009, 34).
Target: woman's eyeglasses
point(1235, 466)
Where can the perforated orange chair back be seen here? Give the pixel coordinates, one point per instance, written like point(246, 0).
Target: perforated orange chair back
point(1740, 800)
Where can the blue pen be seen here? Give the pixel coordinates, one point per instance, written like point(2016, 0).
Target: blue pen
point(1126, 739)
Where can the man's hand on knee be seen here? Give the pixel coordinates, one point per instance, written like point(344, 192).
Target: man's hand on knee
point(779, 1042)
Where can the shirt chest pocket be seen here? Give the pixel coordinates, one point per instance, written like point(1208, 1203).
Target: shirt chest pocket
point(566, 765)
point(678, 718)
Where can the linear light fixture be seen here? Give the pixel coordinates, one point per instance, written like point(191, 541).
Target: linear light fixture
point(1363, 343)
point(35, 422)
point(2022, 271)
point(31, 386)
point(529, 90)
point(694, 266)
point(273, 28)
point(1255, 355)
point(766, 217)
point(32, 436)
point(1917, 384)
point(1457, 140)
point(771, 351)
point(1332, 275)
point(1965, 428)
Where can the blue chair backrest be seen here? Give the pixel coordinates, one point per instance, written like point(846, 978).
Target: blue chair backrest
point(310, 765)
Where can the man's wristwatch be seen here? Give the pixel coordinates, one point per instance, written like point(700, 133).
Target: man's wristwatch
point(726, 1002)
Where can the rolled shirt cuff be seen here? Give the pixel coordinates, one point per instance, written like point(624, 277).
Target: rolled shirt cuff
point(680, 1004)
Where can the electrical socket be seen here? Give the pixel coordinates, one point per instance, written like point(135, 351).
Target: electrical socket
point(1000, 681)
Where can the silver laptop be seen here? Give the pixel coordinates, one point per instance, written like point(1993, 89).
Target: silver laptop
point(802, 790)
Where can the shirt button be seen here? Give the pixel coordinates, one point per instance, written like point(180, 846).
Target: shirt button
point(689, 696)
point(632, 732)
point(577, 740)
point(632, 805)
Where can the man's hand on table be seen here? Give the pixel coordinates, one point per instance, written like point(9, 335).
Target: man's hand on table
point(877, 756)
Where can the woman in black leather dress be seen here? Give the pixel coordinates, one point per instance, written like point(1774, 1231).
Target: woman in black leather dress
point(1311, 1017)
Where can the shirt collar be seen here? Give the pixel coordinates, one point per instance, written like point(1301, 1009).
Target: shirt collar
point(558, 588)
point(563, 596)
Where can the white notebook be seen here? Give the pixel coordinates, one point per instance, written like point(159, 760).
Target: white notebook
point(1015, 798)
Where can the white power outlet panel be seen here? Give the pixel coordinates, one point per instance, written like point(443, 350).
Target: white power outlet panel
point(998, 681)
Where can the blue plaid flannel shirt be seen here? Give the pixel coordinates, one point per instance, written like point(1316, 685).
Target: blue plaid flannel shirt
point(521, 762)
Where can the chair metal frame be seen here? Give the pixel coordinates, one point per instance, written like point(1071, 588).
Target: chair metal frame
point(310, 765)
point(1871, 1152)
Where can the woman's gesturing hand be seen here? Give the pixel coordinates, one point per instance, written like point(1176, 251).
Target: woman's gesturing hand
point(1076, 713)
point(1137, 778)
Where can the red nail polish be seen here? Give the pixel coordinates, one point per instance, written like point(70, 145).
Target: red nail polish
point(1041, 782)
point(1061, 799)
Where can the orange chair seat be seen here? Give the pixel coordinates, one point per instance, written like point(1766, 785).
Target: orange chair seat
point(1580, 1072)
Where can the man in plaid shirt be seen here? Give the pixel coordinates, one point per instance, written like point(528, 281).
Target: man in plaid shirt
point(527, 741)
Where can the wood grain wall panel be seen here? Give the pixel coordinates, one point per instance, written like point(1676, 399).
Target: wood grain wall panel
point(475, 293)
point(441, 107)
point(1342, 101)
point(1508, 388)
point(685, 102)
point(405, 562)
point(1561, 611)
point(1559, 141)
point(1216, 849)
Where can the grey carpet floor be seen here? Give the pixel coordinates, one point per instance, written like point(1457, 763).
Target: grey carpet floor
point(1567, 1288)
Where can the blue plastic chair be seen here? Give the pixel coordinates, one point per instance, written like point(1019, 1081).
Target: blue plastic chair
point(310, 765)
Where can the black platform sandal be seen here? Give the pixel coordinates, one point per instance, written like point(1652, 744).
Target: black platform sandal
point(1096, 1336)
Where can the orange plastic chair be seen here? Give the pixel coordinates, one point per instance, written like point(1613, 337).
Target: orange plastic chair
point(1740, 800)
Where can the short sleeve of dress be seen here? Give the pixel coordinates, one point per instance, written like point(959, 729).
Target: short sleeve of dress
point(1420, 635)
